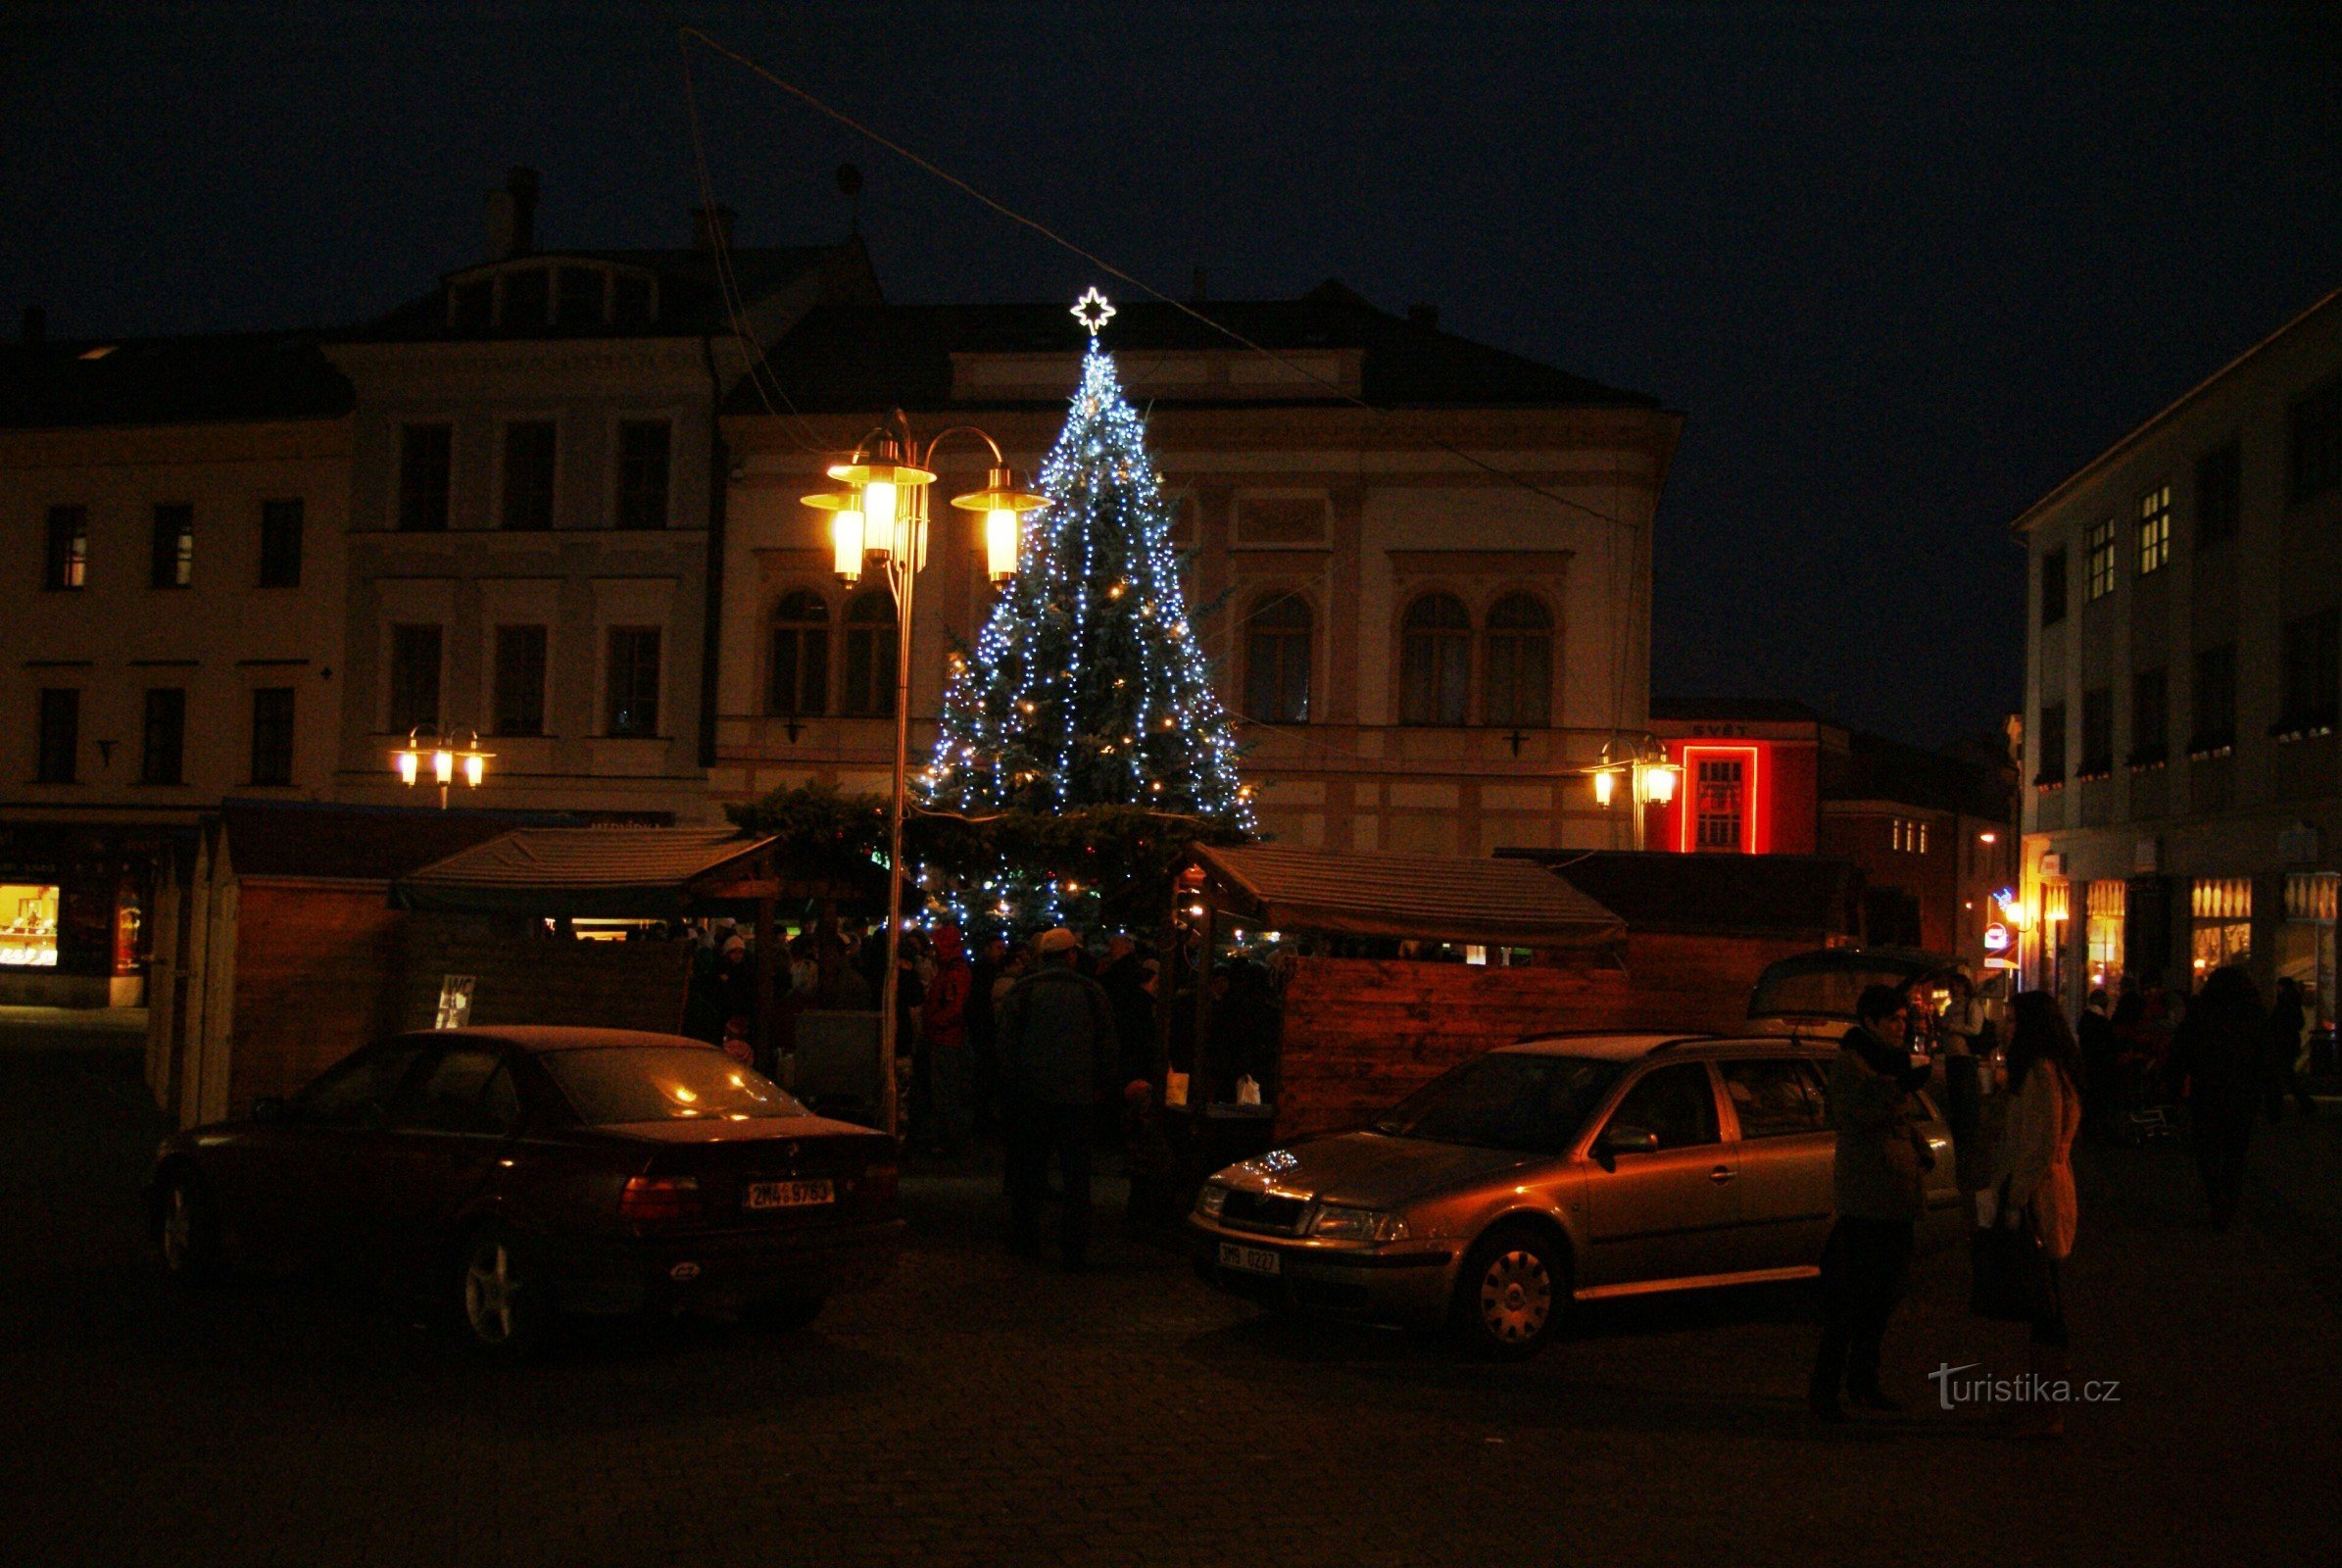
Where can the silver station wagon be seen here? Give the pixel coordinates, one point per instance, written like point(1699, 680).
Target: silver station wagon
point(1553, 1171)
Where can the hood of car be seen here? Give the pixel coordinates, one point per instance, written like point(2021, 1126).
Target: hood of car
point(1370, 1170)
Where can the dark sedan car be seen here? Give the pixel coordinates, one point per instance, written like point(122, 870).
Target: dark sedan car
point(513, 1172)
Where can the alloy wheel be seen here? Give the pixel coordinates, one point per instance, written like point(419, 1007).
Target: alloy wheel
point(1516, 1297)
point(178, 1228)
point(491, 1293)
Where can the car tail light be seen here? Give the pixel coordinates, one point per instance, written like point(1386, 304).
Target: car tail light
point(651, 1200)
point(882, 1184)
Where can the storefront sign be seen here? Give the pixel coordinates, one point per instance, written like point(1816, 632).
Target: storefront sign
point(1996, 938)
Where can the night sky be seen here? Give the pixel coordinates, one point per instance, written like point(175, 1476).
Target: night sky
point(1903, 266)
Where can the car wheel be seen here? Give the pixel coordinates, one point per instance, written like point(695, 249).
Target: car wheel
point(501, 1297)
point(782, 1314)
point(187, 1229)
point(1511, 1294)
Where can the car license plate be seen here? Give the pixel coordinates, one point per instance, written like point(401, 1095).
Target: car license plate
point(789, 1195)
point(1250, 1259)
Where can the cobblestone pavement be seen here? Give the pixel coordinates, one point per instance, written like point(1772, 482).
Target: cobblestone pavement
point(982, 1410)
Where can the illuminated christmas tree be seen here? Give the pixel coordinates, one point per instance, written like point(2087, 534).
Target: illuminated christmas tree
point(1087, 687)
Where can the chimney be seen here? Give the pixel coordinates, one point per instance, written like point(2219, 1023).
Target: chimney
point(513, 215)
point(1426, 316)
point(36, 326)
point(711, 227)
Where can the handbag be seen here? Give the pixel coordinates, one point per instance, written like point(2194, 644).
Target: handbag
point(2008, 1272)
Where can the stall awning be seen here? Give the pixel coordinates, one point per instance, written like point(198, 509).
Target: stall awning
point(1427, 898)
point(595, 873)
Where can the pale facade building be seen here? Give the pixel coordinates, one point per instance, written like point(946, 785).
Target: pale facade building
point(2183, 685)
point(171, 517)
point(1429, 612)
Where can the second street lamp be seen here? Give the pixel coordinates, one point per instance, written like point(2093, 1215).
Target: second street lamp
point(884, 513)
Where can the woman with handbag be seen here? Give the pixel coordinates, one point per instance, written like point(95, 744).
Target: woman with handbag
point(2035, 1185)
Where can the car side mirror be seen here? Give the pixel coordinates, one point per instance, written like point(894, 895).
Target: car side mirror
point(1624, 1140)
point(272, 1109)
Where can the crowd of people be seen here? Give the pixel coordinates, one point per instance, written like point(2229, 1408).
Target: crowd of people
point(2016, 1100)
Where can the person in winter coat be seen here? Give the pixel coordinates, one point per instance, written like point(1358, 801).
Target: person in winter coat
point(1057, 1049)
point(2286, 1019)
point(944, 1017)
point(1877, 1184)
point(2099, 1045)
point(2034, 1176)
point(2219, 1052)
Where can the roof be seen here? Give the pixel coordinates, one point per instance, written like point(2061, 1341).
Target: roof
point(1812, 896)
point(169, 380)
point(560, 1037)
point(854, 358)
point(2172, 411)
point(690, 299)
point(359, 843)
point(1432, 898)
point(597, 872)
point(1735, 711)
point(1873, 767)
point(1634, 1048)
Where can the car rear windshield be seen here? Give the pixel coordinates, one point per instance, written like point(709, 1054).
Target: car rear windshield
point(610, 1085)
point(1508, 1099)
point(1820, 993)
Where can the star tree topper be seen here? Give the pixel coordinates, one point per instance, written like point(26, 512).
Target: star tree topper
point(1094, 311)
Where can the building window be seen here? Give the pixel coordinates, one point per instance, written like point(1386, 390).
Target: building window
point(529, 450)
point(66, 563)
point(2102, 560)
point(29, 925)
point(1718, 798)
point(2102, 930)
point(2222, 907)
point(643, 447)
point(60, 735)
point(2312, 693)
point(869, 655)
point(1436, 661)
point(2097, 733)
point(272, 735)
point(2220, 492)
point(518, 700)
point(1518, 662)
point(173, 562)
point(2053, 586)
point(2150, 717)
point(2215, 704)
point(280, 544)
point(1277, 652)
point(2315, 447)
point(163, 758)
point(413, 678)
point(425, 454)
point(800, 683)
point(2155, 529)
point(633, 677)
point(2052, 769)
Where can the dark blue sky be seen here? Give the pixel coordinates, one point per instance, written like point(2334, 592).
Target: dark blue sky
point(1903, 266)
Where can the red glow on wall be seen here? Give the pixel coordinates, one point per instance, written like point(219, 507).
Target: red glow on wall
point(1720, 802)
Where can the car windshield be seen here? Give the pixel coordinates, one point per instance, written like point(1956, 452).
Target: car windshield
point(610, 1085)
point(1507, 1100)
point(1821, 993)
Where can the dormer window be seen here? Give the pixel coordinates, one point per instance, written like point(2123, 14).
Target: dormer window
point(537, 294)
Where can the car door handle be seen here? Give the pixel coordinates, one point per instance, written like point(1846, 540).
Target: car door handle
point(1722, 1174)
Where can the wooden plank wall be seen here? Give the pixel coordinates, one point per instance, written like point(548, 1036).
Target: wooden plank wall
point(527, 976)
point(315, 977)
point(1361, 1034)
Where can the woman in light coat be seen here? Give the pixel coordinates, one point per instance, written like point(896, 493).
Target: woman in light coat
point(2045, 1078)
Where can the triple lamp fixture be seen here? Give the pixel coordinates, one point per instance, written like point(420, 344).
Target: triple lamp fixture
point(1647, 767)
point(458, 751)
point(883, 512)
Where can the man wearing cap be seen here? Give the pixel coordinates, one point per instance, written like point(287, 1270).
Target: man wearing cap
point(1057, 1047)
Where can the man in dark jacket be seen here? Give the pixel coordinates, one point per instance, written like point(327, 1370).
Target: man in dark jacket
point(2219, 1053)
point(1057, 1047)
point(1877, 1183)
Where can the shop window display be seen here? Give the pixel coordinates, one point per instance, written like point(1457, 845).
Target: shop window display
point(27, 926)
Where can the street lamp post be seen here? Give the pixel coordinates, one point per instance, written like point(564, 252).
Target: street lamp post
point(1650, 776)
point(446, 755)
point(884, 513)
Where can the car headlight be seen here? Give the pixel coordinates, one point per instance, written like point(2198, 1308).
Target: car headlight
point(1212, 1199)
point(1342, 1223)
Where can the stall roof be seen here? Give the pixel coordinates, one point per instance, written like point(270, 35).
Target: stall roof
point(1429, 898)
point(1810, 897)
point(591, 872)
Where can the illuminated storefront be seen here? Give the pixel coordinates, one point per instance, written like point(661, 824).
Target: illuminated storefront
point(29, 925)
point(2222, 907)
point(2103, 932)
point(2306, 941)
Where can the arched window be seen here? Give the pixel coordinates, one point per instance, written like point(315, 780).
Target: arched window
point(1435, 674)
point(1519, 667)
point(869, 655)
point(1277, 661)
point(799, 656)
